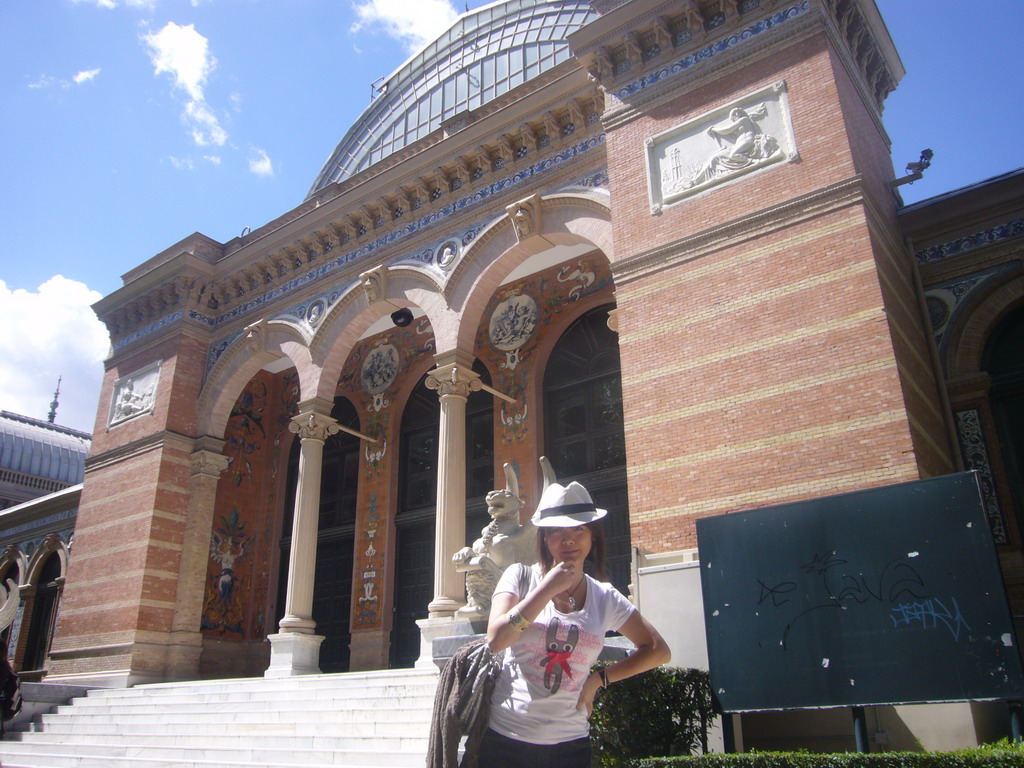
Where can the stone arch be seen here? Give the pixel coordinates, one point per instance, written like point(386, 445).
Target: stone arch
point(381, 292)
point(261, 343)
point(565, 219)
point(10, 557)
point(51, 545)
point(968, 338)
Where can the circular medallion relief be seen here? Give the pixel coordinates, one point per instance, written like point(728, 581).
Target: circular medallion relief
point(447, 253)
point(513, 322)
point(379, 369)
point(315, 312)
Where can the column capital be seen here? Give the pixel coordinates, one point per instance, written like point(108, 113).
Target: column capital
point(313, 426)
point(453, 379)
point(209, 463)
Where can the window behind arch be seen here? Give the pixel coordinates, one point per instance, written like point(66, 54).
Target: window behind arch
point(1004, 362)
point(339, 487)
point(44, 614)
point(583, 426)
point(479, 454)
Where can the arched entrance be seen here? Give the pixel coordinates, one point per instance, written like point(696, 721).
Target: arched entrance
point(44, 613)
point(414, 522)
point(479, 454)
point(583, 426)
point(1004, 362)
point(332, 591)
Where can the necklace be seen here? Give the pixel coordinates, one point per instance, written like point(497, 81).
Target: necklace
point(572, 600)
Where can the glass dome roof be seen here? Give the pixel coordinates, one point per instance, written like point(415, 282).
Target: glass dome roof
point(41, 450)
point(485, 53)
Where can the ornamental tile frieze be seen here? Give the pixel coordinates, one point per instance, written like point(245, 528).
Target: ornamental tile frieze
point(946, 302)
point(975, 453)
point(991, 236)
point(483, 195)
point(708, 52)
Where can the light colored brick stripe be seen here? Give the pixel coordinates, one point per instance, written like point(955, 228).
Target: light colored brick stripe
point(164, 605)
point(661, 418)
point(706, 271)
point(941, 451)
point(149, 514)
point(928, 400)
point(118, 550)
point(873, 314)
point(761, 497)
point(636, 472)
point(748, 300)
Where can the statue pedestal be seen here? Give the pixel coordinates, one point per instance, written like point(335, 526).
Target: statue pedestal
point(440, 638)
point(294, 653)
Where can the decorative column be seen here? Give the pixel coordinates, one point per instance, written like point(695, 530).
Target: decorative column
point(295, 650)
point(186, 642)
point(453, 379)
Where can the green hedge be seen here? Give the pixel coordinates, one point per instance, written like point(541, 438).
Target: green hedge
point(666, 711)
point(999, 755)
point(661, 719)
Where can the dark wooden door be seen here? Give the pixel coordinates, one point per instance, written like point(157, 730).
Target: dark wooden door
point(414, 585)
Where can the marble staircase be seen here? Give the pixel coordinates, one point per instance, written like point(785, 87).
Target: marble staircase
point(351, 720)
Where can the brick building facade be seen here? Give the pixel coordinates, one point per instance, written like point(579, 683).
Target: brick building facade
point(297, 427)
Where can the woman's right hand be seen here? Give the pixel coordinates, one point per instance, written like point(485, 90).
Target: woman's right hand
point(562, 577)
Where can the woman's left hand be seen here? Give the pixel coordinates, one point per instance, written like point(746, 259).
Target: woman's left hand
point(588, 692)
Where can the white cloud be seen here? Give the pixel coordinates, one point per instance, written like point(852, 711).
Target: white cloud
point(259, 163)
point(49, 81)
point(110, 4)
point(181, 163)
point(184, 54)
point(44, 81)
point(212, 159)
point(86, 75)
point(414, 24)
point(47, 334)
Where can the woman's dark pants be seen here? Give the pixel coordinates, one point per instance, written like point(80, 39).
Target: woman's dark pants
point(497, 751)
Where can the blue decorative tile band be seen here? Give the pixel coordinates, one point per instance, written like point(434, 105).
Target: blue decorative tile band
point(1005, 231)
point(709, 51)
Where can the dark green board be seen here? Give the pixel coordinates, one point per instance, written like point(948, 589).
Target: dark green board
point(885, 596)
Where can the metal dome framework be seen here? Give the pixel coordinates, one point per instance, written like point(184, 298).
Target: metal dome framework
point(485, 54)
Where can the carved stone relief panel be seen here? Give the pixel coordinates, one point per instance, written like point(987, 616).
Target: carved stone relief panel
point(719, 146)
point(134, 394)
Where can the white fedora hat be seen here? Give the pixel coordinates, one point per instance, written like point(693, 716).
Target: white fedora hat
point(563, 506)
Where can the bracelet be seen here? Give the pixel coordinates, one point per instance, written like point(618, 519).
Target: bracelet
point(516, 620)
point(604, 677)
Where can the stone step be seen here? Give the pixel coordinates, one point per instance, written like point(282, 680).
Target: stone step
point(408, 710)
point(262, 737)
point(380, 731)
point(360, 680)
point(131, 756)
point(361, 720)
point(292, 710)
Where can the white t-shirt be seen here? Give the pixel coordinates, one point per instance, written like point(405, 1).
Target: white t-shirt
point(543, 671)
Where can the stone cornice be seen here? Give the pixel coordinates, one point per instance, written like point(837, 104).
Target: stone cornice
point(702, 61)
point(562, 121)
point(738, 231)
point(139, 447)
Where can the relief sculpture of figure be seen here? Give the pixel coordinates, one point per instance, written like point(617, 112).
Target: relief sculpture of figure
point(741, 144)
point(502, 542)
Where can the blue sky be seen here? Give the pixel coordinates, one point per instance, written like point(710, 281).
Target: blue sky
point(130, 124)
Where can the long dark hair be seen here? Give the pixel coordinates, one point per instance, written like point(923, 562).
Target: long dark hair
point(595, 558)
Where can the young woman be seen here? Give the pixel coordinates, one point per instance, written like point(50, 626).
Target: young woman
point(551, 619)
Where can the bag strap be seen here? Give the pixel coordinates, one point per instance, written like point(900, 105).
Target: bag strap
point(525, 579)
